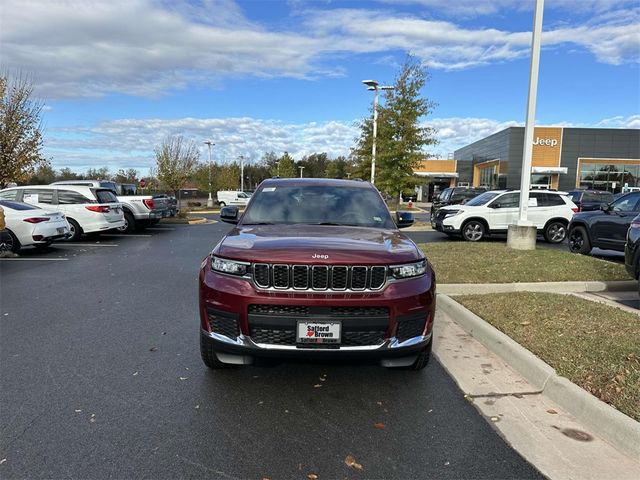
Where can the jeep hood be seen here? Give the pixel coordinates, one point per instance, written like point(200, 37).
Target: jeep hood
point(300, 243)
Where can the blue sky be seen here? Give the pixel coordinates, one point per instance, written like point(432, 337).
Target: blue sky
point(256, 76)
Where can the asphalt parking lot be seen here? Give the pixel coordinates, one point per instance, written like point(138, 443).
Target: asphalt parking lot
point(102, 377)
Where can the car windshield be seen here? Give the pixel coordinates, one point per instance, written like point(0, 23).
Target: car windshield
point(318, 205)
point(575, 196)
point(482, 199)
point(17, 205)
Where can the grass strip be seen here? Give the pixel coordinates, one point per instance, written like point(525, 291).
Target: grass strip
point(595, 346)
point(493, 262)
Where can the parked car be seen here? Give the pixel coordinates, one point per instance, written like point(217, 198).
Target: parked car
point(632, 250)
point(606, 228)
point(493, 212)
point(87, 209)
point(27, 225)
point(588, 200)
point(139, 210)
point(231, 197)
point(316, 268)
point(453, 196)
point(172, 203)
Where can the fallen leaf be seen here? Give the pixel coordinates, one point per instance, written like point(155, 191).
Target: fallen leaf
point(78, 411)
point(183, 378)
point(197, 406)
point(260, 402)
point(524, 324)
point(317, 385)
point(379, 425)
point(322, 379)
point(350, 461)
point(430, 410)
point(153, 349)
point(379, 404)
point(446, 463)
point(4, 460)
point(552, 411)
point(135, 373)
point(93, 418)
point(495, 419)
point(312, 476)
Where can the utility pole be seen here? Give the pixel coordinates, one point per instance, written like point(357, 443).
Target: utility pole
point(301, 169)
point(373, 85)
point(241, 173)
point(209, 143)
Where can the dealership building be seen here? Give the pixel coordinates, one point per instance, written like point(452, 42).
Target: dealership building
point(562, 159)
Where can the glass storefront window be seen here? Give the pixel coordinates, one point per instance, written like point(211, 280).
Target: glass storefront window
point(609, 177)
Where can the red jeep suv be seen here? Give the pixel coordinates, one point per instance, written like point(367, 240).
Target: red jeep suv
point(316, 268)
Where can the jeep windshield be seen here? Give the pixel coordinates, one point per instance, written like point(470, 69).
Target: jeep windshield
point(481, 199)
point(318, 205)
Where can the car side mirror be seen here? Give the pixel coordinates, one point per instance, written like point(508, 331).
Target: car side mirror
point(606, 208)
point(229, 214)
point(494, 205)
point(404, 219)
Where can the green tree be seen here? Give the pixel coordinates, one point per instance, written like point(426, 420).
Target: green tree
point(286, 167)
point(67, 174)
point(228, 177)
point(338, 168)
point(176, 160)
point(44, 175)
point(126, 176)
point(401, 137)
point(20, 131)
point(98, 174)
point(315, 165)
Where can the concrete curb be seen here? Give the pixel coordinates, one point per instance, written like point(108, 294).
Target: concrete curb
point(550, 287)
point(615, 427)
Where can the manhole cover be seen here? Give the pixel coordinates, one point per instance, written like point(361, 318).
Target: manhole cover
point(577, 434)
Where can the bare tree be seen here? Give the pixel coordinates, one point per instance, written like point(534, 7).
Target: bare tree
point(20, 130)
point(176, 160)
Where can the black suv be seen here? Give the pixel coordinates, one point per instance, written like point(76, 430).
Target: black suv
point(606, 228)
point(588, 200)
point(453, 196)
point(632, 250)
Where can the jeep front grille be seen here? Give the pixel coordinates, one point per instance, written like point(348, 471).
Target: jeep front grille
point(319, 277)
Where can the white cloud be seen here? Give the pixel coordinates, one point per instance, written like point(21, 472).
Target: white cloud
point(147, 48)
point(129, 143)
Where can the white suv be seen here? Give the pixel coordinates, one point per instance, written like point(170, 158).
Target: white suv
point(494, 211)
point(87, 209)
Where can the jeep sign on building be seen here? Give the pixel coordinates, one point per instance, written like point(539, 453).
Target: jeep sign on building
point(563, 159)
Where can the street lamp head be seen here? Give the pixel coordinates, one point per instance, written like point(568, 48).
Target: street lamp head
point(372, 84)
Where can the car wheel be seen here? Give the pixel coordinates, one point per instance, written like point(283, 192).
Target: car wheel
point(579, 241)
point(473, 231)
point(9, 242)
point(222, 204)
point(129, 224)
point(75, 232)
point(423, 359)
point(555, 232)
point(209, 357)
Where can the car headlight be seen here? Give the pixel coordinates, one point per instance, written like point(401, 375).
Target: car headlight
point(409, 270)
point(452, 213)
point(228, 266)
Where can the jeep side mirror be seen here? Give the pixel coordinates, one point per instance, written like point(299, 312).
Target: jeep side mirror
point(404, 219)
point(229, 214)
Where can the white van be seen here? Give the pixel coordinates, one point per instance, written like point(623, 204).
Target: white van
point(87, 209)
point(231, 197)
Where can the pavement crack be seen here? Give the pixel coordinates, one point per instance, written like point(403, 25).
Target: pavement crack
point(500, 395)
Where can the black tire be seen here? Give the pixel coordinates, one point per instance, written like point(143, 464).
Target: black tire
point(74, 230)
point(129, 224)
point(422, 360)
point(555, 232)
point(579, 241)
point(9, 242)
point(209, 357)
point(473, 231)
point(222, 204)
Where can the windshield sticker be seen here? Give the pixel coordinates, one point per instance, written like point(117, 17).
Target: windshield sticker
point(377, 219)
point(30, 198)
point(533, 202)
point(269, 189)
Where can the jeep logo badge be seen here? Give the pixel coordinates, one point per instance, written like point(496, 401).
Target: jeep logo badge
point(320, 256)
point(549, 142)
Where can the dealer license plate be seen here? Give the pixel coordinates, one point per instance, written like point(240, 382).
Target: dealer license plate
point(319, 332)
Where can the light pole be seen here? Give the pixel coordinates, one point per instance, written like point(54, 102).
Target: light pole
point(278, 167)
point(522, 235)
point(241, 173)
point(301, 169)
point(209, 143)
point(373, 85)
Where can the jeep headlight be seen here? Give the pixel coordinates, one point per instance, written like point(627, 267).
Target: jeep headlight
point(409, 270)
point(231, 267)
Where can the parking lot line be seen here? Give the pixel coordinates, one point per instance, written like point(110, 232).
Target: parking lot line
point(123, 235)
point(33, 259)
